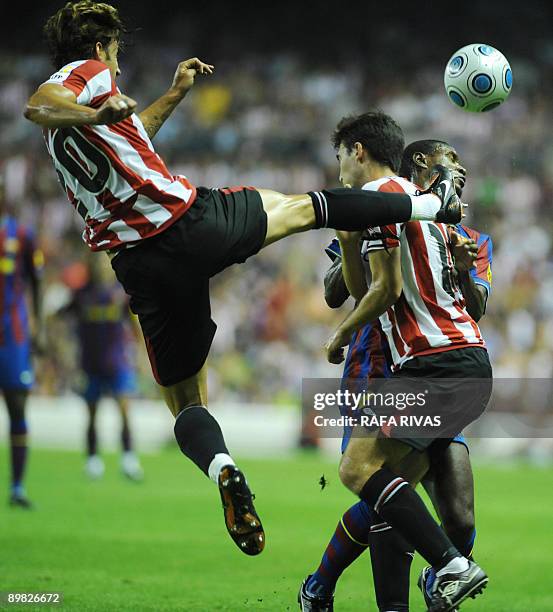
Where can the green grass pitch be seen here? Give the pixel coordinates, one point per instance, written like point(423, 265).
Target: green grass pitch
point(161, 545)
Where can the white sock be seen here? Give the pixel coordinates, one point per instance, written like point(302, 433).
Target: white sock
point(425, 207)
point(217, 464)
point(455, 566)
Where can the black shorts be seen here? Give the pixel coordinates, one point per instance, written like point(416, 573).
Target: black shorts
point(459, 389)
point(167, 276)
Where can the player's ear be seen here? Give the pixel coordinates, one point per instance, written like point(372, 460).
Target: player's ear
point(358, 147)
point(98, 51)
point(419, 160)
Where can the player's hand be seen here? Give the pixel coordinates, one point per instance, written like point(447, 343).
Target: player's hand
point(334, 347)
point(186, 73)
point(115, 109)
point(464, 251)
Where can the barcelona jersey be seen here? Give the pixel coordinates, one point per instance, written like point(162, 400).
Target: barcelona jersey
point(20, 262)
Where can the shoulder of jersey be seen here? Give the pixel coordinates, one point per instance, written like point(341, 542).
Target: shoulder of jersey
point(88, 68)
point(397, 183)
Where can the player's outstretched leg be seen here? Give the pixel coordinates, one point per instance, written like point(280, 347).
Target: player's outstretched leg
point(357, 209)
point(200, 438)
point(15, 402)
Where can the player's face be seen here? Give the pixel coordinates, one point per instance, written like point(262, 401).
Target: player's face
point(108, 55)
point(447, 156)
point(350, 167)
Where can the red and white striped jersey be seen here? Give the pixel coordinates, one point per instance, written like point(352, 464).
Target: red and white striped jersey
point(111, 173)
point(430, 316)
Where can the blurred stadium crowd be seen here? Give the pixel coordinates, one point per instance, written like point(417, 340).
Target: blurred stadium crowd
point(267, 122)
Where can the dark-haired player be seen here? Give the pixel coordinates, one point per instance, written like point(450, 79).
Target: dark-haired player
point(21, 265)
point(165, 236)
point(450, 480)
point(429, 329)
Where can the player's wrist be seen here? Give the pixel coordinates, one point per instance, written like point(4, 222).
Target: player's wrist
point(176, 93)
point(96, 118)
point(343, 334)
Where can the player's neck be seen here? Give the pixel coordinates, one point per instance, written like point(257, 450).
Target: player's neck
point(377, 172)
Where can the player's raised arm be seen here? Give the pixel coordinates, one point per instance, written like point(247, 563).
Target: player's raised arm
point(55, 106)
point(159, 111)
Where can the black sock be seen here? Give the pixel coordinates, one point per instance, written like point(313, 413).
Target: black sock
point(391, 558)
point(91, 439)
point(402, 508)
point(358, 209)
point(199, 436)
point(19, 452)
point(126, 442)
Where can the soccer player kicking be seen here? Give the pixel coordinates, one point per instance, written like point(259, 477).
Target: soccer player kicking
point(430, 335)
point(450, 481)
point(21, 265)
point(165, 236)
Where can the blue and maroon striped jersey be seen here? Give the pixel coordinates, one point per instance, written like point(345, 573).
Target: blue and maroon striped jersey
point(102, 314)
point(482, 273)
point(20, 261)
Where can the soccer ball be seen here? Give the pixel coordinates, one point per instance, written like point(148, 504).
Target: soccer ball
point(478, 78)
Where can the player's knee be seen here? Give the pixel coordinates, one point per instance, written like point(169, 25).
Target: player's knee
point(301, 213)
point(294, 214)
point(347, 475)
point(354, 475)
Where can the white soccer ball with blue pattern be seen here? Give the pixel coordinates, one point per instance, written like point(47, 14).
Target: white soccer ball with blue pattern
point(478, 78)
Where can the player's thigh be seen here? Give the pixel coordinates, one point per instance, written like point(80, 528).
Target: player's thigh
point(365, 455)
point(286, 214)
point(189, 392)
point(453, 491)
point(173, 306)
